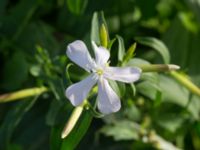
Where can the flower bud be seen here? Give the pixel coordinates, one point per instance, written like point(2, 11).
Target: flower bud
point(72, 121)
point(103, 36)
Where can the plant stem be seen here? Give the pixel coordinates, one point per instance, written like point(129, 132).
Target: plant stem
point(185, 82)
point(22, 94)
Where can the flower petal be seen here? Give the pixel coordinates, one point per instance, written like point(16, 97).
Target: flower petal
point(123, 74)
point(108, 100)
point(101, 54)
point(79, 54)
point(77, 92)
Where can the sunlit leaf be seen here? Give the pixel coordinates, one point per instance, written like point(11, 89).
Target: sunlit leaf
point(123, 130)
point(97, 21)
point(157, 45)
point(95, 29)
point(121, 48)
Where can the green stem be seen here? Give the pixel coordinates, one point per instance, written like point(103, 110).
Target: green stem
point(22, 94)
point(186, 82)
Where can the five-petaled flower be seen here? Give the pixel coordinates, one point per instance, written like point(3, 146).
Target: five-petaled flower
point(107, 100)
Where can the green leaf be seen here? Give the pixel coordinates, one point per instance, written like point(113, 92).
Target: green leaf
point(15, 72)
point(35, 70)
point(13, 118)
point(95, 29)
point(77, 6)
point(54, 109)
point(157, 45)
point(170, 122)
point(118, 87)
point(55, 139)
point(78, 132)
point(122, 88)
point(187, 20)
point(132, 112)
point(122, 130)
point(137, 62)
point(56, 118)
point(130, 53)
point(97, 21)
point(194, 107)
point(148, 89)
point(158, 99)
point(179, 95)
point(110, 44)
point(185, 48)
point(121, 48)
point(195, 7)
point(17, 20)
point(115, 87)
point(150, 85)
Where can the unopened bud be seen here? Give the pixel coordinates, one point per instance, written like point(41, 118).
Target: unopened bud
point(173, 67)
point(72, 121)
point(103, 36)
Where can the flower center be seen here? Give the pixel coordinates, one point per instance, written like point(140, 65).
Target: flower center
point(99, 71)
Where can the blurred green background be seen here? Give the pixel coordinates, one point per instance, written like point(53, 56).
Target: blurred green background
point(33, 39)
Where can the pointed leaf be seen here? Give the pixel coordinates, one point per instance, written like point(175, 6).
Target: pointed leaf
point(121, 48)
point(157, 45)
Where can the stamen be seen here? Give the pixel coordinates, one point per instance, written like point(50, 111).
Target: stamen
point(99, 72)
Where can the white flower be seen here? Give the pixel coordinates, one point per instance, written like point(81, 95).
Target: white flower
point(107, 100)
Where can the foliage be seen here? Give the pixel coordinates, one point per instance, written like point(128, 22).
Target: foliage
point(158, 112)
